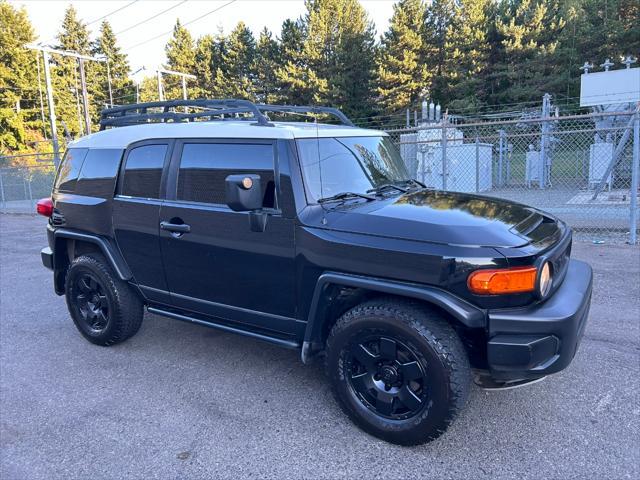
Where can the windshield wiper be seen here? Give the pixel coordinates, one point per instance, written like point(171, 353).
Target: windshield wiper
point(415, 182)
point(345, 196)
point(387, 186)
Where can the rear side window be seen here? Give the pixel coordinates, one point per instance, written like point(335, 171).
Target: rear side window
point(99, 171)
point(70, 169)
point(205, 166)
point(143, 171)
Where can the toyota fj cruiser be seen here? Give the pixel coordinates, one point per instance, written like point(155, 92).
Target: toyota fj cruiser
point(313, 237)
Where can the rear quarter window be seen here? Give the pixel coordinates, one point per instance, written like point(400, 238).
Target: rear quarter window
point(99, 171)
point(69, 169)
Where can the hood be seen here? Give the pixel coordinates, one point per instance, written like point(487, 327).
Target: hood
point(446, 218)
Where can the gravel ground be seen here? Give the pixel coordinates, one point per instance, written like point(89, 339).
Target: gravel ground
point(182, 401)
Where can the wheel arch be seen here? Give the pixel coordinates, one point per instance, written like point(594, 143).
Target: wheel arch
point(69, 244)
point(326, 305)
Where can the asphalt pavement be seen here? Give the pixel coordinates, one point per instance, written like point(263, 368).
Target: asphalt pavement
point(183, 401)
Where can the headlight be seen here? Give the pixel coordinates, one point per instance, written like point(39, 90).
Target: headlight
point(546, 279)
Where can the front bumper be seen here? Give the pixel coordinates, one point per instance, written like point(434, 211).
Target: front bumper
point(531, 342)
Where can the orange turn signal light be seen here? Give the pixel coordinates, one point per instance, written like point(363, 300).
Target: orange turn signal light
point(504, 280)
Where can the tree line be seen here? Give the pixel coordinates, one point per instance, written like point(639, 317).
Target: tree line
point(465, 54)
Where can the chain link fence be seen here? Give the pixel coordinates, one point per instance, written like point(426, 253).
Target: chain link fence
point(28, 179)
point(579, 168)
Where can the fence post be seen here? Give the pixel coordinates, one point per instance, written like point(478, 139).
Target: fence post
point(408, 118)
point(30, 192)
point(4, 203)
point(634, 181)
point(546, 100)
point(500, 153)
point(477, 164)
point(444, 151)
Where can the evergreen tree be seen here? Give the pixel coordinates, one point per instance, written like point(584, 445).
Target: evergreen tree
point(438, 21)
point(203, 68)
point(123, 90)
point(210, 67)
point(339, 53)
point(402, 74)
point(266, 63)
point(18, 81)
point(529, 32)
point(148, 89)
point(292, 74)
point(181, 57)
point(239, 61)
point(74, 37)
point(467, 54)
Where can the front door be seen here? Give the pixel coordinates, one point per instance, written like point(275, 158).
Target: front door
point(215, 264)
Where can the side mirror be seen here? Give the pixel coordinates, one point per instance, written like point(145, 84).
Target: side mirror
point(243, 193)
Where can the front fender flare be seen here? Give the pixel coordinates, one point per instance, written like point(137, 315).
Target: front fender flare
point(461, 310)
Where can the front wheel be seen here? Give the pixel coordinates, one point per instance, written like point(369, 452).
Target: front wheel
point(398, 370)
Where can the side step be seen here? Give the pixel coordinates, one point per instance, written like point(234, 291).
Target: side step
point(226, 328)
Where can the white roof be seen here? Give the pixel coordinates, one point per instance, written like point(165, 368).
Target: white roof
point(121, 137)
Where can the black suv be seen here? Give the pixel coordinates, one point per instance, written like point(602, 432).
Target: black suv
point(313, 237)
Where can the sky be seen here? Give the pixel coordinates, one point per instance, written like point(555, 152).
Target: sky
point(46, 17)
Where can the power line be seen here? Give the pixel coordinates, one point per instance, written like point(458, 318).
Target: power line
point(151, 18)
point(98, 19)
point(111, 13)
point(184, 25)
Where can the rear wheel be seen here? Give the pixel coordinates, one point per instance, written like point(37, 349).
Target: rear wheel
point(398, 370)
point(104, 308)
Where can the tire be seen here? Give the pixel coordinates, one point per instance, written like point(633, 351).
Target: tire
point(408, 399)
point(105, 309)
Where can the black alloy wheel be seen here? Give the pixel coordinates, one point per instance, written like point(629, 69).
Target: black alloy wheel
point(398, 369)
point(386, 376)
point(105, 309)
point(92, 303)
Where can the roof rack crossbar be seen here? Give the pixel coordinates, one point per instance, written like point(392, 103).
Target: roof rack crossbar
point(306, 109)
point(138, 113)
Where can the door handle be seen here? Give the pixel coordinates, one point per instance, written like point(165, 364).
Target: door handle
point(175, 227)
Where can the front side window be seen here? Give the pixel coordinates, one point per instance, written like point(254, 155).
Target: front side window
point(205, 166)
point(348, 164)
point(143, 171)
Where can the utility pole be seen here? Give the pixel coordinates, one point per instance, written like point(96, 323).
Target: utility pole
point(109, 82)
point(184, 76)
point(160, 92)
point(52, 115)
point(52, 110)
point(85, 99)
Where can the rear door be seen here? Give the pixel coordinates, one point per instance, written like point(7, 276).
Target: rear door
point(220, 267)
point(136, 210)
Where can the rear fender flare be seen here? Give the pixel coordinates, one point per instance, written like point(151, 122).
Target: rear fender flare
point(110, 252)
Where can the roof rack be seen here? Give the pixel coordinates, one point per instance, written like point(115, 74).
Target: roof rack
point(307, 109)
point(212, 110)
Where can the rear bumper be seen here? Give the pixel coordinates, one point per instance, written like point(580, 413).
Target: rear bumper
point(47, 257)
point(531, 342)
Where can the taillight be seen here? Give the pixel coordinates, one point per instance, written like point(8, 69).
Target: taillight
point(504, 280)
point(45, 207)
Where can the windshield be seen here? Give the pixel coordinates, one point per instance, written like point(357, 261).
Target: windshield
point(331, 166)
